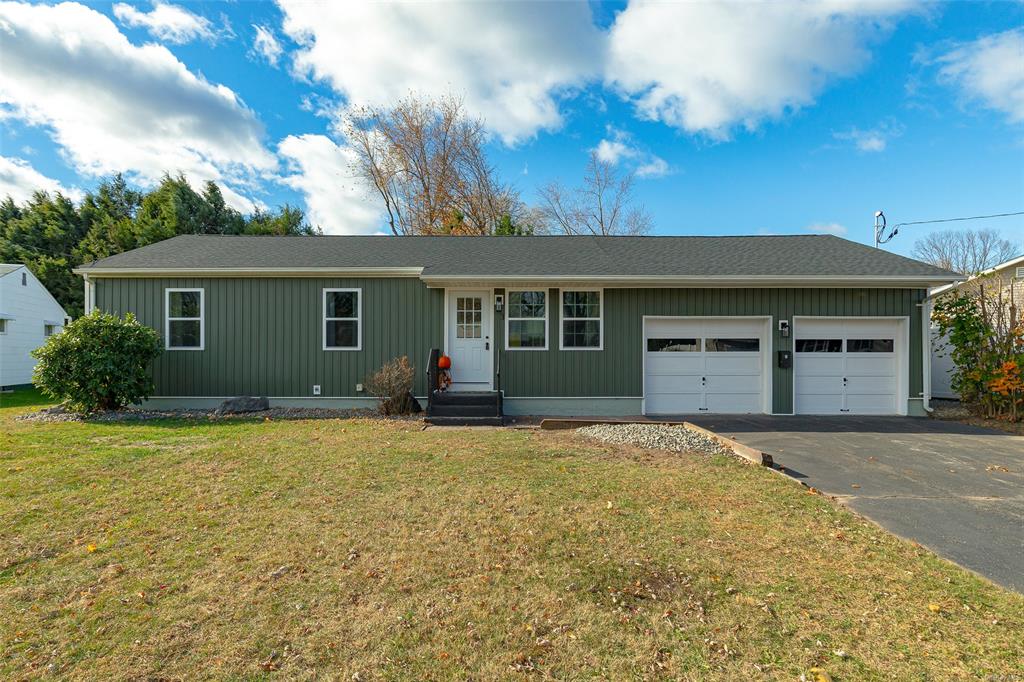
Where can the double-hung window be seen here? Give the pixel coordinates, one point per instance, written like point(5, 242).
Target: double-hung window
point(526, 324)
point(582, 325)
point(343, 313)
point(184, 322)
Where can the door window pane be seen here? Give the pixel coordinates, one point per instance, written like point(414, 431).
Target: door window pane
point(732, 345)
point(819, 345)
point(468, 317)
point(673, 345)
point(869, 345)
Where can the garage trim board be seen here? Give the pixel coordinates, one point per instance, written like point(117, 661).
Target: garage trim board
point(707, 365)
point(847, 365)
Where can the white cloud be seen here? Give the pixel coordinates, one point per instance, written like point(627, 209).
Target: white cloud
point(266, 44)
point(111, 106)
point(167, 22)
point(335, 200)
point(990, 70)
point(656, 167)
point(827, 228)
point(706, 67)
point(18, 180)
point(512, 62)
point(620, 146)
point(613, 151)
point(872, 140)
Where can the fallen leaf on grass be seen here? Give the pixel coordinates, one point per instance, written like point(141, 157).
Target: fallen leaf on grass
point(91, 547)
point(935, 608)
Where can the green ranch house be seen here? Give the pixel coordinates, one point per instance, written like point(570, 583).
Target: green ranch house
point(553, 325)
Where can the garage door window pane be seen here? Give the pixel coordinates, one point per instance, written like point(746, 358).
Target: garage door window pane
point(673, 345)
point(869, 345)
point(732, 345)
point(819, 345)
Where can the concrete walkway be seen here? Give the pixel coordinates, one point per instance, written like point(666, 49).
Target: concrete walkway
point(954, 488)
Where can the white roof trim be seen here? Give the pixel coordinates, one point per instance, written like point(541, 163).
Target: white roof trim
point(696, 281)
point(249, 272)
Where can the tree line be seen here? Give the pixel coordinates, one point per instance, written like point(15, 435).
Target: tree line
point(52, 235)
point(424, 158)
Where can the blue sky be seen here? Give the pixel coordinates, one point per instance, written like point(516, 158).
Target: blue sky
point(739, 118)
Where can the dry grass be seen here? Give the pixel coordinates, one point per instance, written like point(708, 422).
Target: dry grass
point(328, 548)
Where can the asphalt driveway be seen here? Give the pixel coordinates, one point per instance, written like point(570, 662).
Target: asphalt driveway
point(954, 488)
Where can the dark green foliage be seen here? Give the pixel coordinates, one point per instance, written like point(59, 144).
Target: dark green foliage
point(99, 362)
point(51, 235)
point(508, 227)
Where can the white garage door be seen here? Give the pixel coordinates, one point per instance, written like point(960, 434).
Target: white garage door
point(696, 365)
point(847, 366)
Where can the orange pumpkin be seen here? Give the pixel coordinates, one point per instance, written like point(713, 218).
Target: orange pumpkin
point(444, 362)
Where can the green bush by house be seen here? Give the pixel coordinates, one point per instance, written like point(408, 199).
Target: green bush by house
point(99, 362)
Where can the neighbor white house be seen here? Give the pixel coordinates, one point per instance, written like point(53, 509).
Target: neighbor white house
point(28, 314)
point(1010, 277)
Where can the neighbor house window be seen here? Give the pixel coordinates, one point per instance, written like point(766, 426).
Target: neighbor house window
point(185, 322)
point(49, 329)
point(3, 326)
point(24, 280)
point(581, 319)
point(526, 325)
point(343, 313)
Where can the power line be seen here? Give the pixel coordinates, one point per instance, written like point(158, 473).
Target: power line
point(953, 220)
point(880, 226)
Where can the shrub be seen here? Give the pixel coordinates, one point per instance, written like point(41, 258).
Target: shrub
point(99, 362)
point(392, 383)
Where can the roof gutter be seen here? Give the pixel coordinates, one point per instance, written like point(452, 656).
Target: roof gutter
point(692, 281)
point(249, 272)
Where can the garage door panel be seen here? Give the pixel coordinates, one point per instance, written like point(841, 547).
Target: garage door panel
point(818, 385)
point(674, 404)
point(870, 365)
point(675, 363)
point(868, 386)
point(831, 403)
point(734, 402)
point(870, 404)
point(735, 383)
point(670, 383)
point(829, 365)
point(733, 363)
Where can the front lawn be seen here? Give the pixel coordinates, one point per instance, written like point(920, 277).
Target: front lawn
point(370, 550)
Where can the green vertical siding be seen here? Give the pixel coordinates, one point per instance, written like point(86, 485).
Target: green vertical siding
point(617, 370)
point(264, 336)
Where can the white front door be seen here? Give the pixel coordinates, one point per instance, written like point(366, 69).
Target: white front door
point(469, 339)
point(847, 366)
point(698, 365)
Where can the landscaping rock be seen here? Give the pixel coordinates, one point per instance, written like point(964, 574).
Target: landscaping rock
point(655, 436)
point(242, 405)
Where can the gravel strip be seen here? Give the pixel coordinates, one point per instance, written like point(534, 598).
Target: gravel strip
point(655, 436)
point(57, 414)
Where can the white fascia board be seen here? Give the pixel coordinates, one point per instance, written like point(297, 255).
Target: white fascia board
point(655, 281)
point(249, 272)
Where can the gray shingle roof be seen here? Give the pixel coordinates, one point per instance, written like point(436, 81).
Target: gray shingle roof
point(554, 256)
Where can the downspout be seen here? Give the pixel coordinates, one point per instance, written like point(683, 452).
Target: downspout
point(90, 298)
point(926, 354)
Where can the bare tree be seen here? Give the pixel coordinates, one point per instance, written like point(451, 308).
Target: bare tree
point(426, 159)
point(600, 206)
point(965, 251)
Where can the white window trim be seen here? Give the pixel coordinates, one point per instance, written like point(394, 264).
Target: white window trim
point(547, 313)
point(562, 319)
point(358, 319)
point(168, 319)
